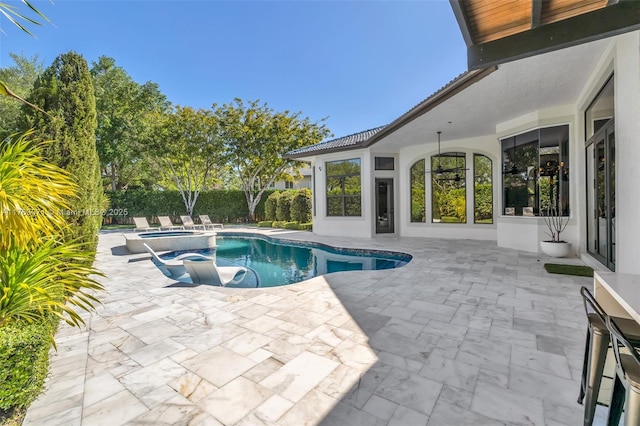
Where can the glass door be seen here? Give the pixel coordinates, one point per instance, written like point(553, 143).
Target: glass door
point(384, 206)
point(601, 195)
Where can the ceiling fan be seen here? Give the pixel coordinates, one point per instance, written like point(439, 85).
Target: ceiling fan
point(456, 178)
point(439, 170)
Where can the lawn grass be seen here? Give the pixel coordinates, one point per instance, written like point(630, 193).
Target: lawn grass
point(557, 268)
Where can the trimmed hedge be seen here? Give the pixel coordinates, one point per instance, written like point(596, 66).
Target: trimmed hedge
point(24, 361)
point(301, 206)
point(265, 224)
point(283, 209)
point(271, 204)
point(227, 206)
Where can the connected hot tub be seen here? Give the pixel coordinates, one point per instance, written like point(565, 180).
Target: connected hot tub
point(170, 240)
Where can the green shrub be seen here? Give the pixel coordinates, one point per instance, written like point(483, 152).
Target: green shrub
point(265, 224)
point(305, 226)
point(279, 223)
point(301, 206)
point(24, 360)
point(449, 219)
point(271, 204)
point(291, 225)
point(283, 210)
point(225, 206)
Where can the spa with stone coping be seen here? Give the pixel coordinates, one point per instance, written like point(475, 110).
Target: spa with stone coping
point(170, 240)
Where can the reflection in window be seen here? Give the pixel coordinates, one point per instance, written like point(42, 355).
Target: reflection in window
point(384, 163)
point(483, 189)
point(448, 189)
point(535, 170)
point(343, 188)
point(418, 209)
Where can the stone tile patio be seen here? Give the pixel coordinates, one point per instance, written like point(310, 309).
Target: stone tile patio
point(465, 334)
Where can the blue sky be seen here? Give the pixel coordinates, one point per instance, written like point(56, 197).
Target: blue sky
point(359, 63)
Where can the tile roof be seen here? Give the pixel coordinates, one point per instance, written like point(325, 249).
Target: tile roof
point(337, 144)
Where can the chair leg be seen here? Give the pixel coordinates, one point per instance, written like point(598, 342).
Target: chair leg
point(632, 408)
point(617, 402)
point(585, 365)
point(597, 358)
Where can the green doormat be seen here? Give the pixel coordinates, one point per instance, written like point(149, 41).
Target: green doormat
point(557, 268)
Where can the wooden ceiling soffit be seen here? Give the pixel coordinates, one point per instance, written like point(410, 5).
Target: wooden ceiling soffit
point(501, 31)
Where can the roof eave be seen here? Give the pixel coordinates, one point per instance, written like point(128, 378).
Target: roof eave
point(438, 98)
point(303, 155)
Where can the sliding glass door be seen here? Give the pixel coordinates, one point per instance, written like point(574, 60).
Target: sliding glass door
point(601, 195)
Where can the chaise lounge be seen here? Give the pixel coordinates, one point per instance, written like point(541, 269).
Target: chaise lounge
point(166, 224)
point(175, 267)
point(205, 271)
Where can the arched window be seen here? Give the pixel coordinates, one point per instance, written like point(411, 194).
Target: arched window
point(482, 189)
point(448, 188)
point(418, 208)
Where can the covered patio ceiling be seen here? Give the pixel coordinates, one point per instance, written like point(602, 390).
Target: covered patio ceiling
point(498, 31)
point(513, 90)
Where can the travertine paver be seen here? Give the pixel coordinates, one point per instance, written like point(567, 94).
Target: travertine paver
point(465, 334)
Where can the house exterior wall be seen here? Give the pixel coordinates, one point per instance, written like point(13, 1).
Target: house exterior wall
point(488, 146)
point(622, 58)
point(359, 226)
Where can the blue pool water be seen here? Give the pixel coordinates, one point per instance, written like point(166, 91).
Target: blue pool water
point(277, 262)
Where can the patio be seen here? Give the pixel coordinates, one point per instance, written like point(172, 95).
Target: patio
point(466, 334)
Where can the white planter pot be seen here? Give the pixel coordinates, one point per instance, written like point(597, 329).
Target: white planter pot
point(555, 249)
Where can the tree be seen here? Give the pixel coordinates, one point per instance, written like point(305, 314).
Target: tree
point(185, 146)
point(124, 110)
point(20, 77)
point(256, 139)
point(65, 91)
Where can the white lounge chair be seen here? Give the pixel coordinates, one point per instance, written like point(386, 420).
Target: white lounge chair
point(207, 272)
point(175, 266)
point(166, 224)
point(188, 223)
point(204, 219)
point(143, 225)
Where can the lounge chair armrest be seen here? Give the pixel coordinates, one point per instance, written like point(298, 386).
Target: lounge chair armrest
point(193, 255)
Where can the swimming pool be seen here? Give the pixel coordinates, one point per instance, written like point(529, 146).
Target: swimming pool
point(280, 262)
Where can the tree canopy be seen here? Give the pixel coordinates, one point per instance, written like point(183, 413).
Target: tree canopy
point(125, 110)
point(65, 91)
point(186, 146)
point(255, 140)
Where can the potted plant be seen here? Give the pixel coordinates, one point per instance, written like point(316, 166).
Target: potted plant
point(556, 223)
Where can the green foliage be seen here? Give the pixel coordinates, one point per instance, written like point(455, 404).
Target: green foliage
point(291, 225)
point(20, 78)
point(32, 192)
point(418, 206)
point(483, 202)
point(271, 205)
point(10, 12)
point(305, 226)
point(301, 206)
point(283, 209)
point(24, 361)
point(185, 147)
point(65, 91)
point(227, 206)
point(256, 137)
point(126, 111)
point(279, 223)
point(265, 224)
point(46, 278)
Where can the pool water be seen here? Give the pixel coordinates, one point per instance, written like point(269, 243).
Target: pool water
point(277, 263)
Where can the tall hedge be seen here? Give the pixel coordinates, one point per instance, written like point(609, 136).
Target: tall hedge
point(283, 209)
point(301, 206)
point(229, 206)
point(271, 205)
point(65, 92)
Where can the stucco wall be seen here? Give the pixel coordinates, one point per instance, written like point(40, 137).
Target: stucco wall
point(627, 109)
